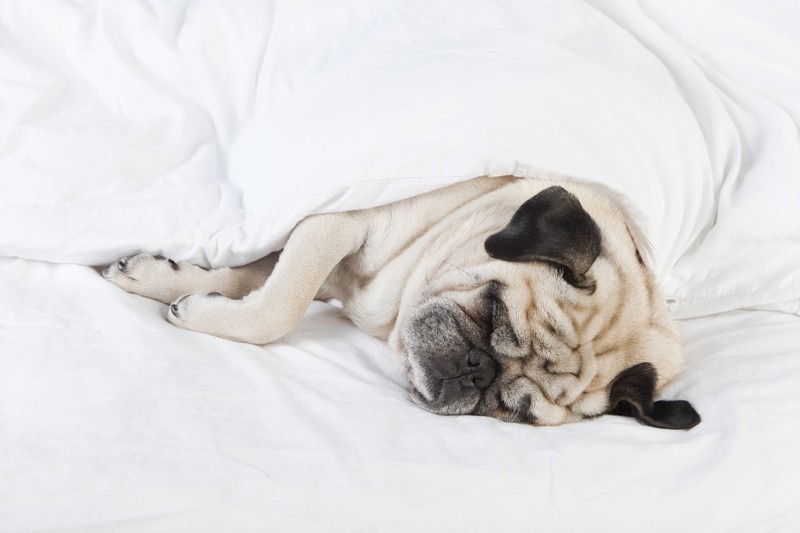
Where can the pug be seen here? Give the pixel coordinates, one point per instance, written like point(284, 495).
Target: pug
point(522, 299)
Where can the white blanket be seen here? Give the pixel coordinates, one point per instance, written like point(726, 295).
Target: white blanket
point(206, 130)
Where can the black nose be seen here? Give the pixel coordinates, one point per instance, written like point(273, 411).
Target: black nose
point(483, 368)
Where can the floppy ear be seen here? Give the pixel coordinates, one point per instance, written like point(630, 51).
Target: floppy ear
point(632, 395)
point(551, 226)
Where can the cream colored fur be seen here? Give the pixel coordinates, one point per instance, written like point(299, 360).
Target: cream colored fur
point(383, 263)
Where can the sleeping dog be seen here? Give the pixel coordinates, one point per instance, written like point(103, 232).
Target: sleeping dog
point(517, 298)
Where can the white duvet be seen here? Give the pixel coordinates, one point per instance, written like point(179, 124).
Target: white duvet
point(206, 130)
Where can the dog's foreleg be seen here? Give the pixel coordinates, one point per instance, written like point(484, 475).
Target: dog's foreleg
point(315, 247)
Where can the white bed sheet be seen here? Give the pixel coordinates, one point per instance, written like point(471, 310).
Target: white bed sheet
point(112, 420)
point(205, 130)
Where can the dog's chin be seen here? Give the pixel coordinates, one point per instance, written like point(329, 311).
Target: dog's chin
point(465, 405)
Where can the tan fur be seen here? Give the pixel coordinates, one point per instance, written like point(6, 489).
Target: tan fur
point(383, 263)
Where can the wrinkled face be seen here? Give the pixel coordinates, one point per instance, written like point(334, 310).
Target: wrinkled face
point(550, 328)
point(469, 354)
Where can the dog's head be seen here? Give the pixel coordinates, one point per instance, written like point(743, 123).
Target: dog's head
point(557, 321)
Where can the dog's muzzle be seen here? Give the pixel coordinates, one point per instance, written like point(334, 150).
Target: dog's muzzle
point(448, 369)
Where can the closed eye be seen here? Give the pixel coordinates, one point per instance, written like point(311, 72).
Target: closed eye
point(502, 336)
point(473, 317)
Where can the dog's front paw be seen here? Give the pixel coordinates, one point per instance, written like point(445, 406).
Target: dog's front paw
point(218, 315)
point(190, 309)
point(147, 275)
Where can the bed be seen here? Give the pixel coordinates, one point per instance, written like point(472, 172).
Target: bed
point(205, 131)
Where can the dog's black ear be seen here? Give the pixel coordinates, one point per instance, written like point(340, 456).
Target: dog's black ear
point(632, 395)
point(552, 226)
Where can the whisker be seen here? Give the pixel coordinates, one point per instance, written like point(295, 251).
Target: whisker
point(471, 276)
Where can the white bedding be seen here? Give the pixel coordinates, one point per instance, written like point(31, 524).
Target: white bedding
point(206, 130)
point(114, 420)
